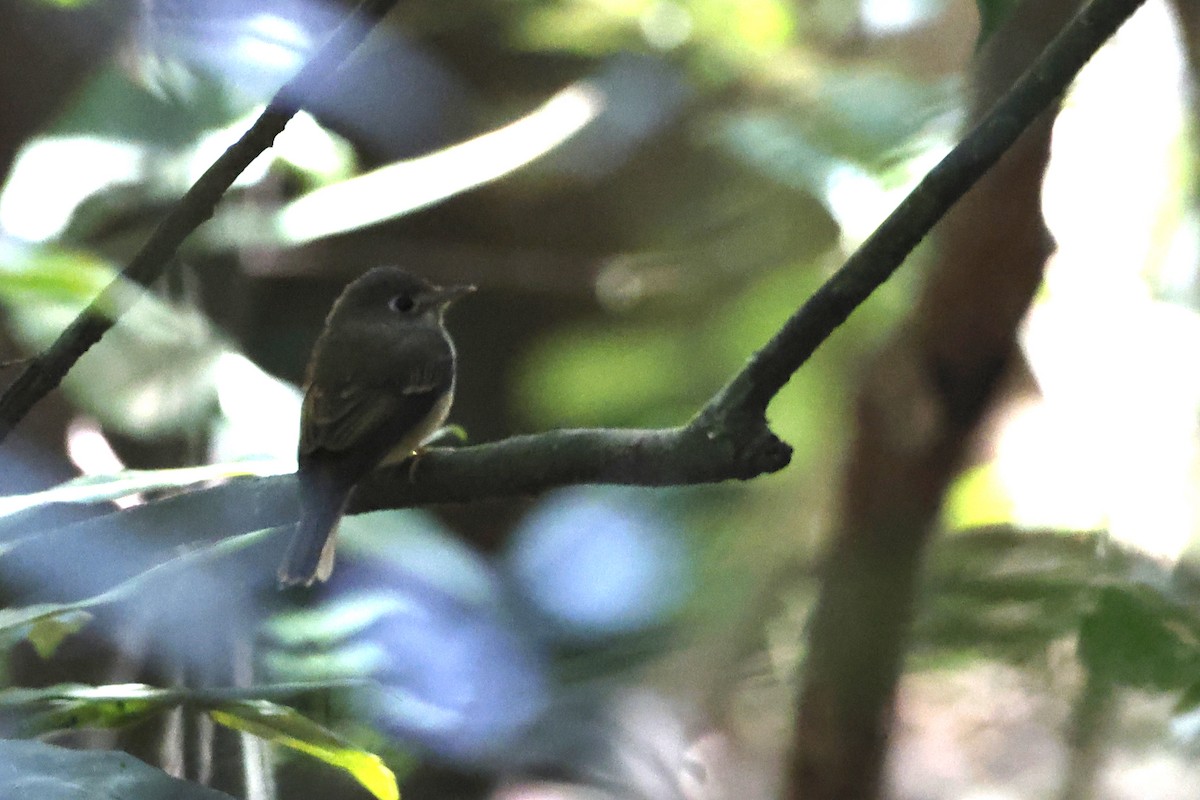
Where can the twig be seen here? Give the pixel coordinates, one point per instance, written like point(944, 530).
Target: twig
point(197, 205)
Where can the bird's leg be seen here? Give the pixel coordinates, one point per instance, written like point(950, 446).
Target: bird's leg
point(414, 460)
point(445, 435)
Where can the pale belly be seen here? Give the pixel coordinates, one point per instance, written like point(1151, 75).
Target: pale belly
point(420, 432)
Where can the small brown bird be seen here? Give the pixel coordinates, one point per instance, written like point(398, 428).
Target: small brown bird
point(380, 381)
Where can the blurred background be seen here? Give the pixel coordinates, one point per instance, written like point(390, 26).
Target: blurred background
point(643, 191)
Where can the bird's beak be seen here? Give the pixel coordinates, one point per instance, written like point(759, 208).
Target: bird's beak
point(445, 295)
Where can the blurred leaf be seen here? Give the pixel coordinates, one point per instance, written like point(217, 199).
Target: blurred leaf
point(52, 275)
point(411, 543)
point(47, 633)
point(111, 106)
point(117, 151)
point(721, 36)
point(284, 726)
point(993, 14)
point(331, 623)
point(121, 151)
point(151, 374)
point(873, 117)
point(44, 624)
point(977, 498)
point(582, 26)
point(45, 772)
point(609, 376)
point(1008, 593)
point(48, 620)
point(777, 147)
point(103, 488)
point(450, 674)
point(1189, 700)
point(868, 119)
point(1139, 638)
point(74, 706)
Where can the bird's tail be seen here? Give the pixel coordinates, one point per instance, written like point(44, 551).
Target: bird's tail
point(310, 554)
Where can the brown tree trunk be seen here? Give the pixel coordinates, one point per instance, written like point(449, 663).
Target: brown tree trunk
point(916, 413)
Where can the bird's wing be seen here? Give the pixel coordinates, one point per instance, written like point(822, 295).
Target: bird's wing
point(338, 419)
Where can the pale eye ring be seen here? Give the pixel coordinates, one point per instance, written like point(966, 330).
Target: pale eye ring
point(401, 303)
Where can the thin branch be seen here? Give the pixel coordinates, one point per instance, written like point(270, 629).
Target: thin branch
point(918, 409)
point(197, 205)
point(886, 248)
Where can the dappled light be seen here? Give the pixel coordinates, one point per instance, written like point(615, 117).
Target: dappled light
point(1111, 441)
point(404, 187)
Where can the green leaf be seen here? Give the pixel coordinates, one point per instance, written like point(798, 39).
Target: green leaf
point(287, 727)
point(73, 706)
point(1189, 700)
point(1139, 638)
point(1007, 593)
point(154, 372)
point(47, 633)
point(323, 627)
point(977, 498)
point(993, 14)
point(45, 625)
point(720, 34)
point(112, 106)
point(69, 706)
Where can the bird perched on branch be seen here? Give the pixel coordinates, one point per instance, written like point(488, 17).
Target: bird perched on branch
point(379, 382)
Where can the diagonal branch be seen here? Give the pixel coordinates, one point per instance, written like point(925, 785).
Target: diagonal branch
point(885, 249)
point(46, 371)
point(917, 414)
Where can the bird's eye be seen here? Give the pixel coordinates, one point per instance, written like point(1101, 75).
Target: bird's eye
point(402, 303)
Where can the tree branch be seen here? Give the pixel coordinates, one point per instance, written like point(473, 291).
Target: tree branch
point(523, 465)
point(919, 408)
point(728, 439)
point(514, 466)
point(197, 205)
point(885, 249)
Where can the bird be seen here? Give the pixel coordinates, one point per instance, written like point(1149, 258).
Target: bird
point(379, 383)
